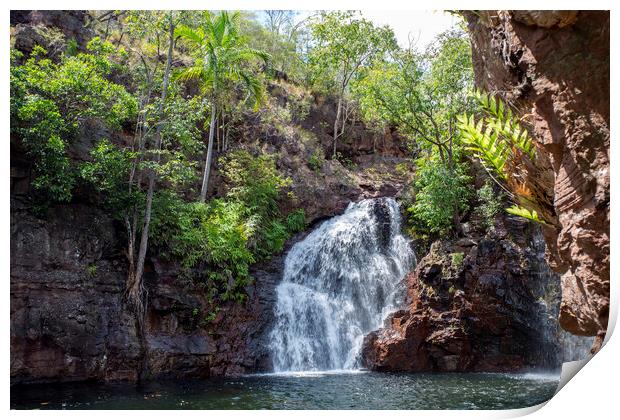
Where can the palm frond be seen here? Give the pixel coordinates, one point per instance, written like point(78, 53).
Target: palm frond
point(500, 143)
point(193, 36)
point(195, 72)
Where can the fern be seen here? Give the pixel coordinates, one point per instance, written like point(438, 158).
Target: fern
point(485, 144)
point(501, 144)
point(523, 212)
point(503, 122)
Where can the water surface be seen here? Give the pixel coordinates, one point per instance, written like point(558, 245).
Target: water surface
point(309, 390)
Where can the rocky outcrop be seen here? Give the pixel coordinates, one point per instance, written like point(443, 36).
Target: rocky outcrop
point(475, 304)
point(69, 321)
point(50, 29)
point(554, 67)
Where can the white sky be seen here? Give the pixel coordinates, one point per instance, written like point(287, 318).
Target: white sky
point(422, 25)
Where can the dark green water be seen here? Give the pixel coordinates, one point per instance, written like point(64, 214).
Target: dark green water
point(348, 390)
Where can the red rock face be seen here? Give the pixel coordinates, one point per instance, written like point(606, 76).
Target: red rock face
point(554, 67)
point(493, 312)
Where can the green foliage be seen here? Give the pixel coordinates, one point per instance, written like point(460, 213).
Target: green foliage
point(48, 102)
point(222, 55)
point(440, 194)
point(489, 204)
point(343, 43)
point(279, 38)
point(227, 235)
point(215, 234)
point(420, 93)
point(497, 139)
point(255, 181)
point(296, 221)
point(525, 213)
point(457, 259)
point(316, 161)
point(91, 270)
point(505, 124)
point(108, 173)
point(344, 160)
point(503, 146)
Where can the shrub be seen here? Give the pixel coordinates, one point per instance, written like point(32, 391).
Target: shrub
point(108, 174)
point(489, 204)
point(440, 194)
point(48, 101)
point(91, 270)
point(316, 161)
point(296, 221)
point(457, 259)
point(211, 236)
point(219, 240)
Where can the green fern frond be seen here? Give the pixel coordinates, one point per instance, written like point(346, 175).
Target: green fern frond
point(525, 213)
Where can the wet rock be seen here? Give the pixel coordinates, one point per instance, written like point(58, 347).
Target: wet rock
point(488, 314)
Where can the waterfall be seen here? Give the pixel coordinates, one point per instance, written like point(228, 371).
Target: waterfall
point(340, 283)
point(574, 347)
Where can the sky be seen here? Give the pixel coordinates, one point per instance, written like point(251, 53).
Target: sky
point(422, 25)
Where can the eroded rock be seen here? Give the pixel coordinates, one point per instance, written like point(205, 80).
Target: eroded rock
point(554, 67)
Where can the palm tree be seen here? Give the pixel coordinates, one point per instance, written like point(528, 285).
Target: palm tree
point(223, 55)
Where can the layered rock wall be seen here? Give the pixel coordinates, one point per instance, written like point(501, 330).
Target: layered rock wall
point(553, 66)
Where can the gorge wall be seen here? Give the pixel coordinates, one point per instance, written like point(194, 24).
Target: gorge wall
point(554, 67)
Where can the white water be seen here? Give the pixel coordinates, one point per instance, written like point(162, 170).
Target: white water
point(574, 347)
point(339, 284)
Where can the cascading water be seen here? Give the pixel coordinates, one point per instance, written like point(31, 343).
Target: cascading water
point(340, 283)
point(574, 347)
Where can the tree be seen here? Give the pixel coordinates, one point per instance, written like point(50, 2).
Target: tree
point(222, 55)
point(277, 20)
point(134, 284)
point(344, 44)
point(421, 94)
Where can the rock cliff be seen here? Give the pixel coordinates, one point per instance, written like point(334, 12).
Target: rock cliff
point(554, 67)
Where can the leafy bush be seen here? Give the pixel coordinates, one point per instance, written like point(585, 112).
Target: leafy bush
point(296, 221)
point(213, 236)
point(48, 101)
point(490, 204)
point(219, 240)
point(108, 173)
point(440, 194)
point(504, 148)
point(457, 259)
point(256, 183)
point(316, 161)
point(91, 270)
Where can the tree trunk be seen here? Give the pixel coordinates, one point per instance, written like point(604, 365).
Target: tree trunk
point(135, 291)
point(338, 111)
point(205, 178)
